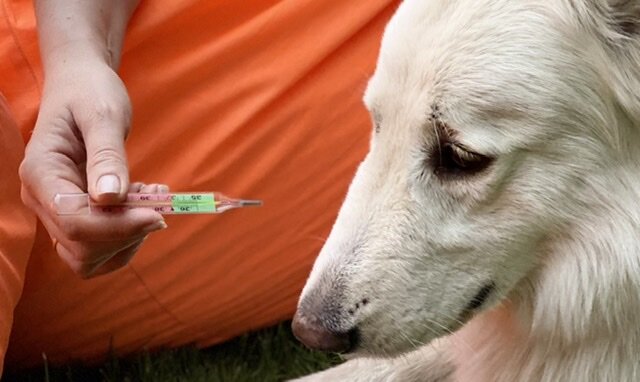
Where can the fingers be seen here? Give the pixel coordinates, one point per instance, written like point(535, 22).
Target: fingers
point(111, 263)
point(93, 227)
point(97, 247)
point(96, 244)
point(135, 187)
point(99, 227)
point(121, 226)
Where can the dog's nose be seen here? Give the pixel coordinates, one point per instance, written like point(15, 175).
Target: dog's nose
point(317, 337)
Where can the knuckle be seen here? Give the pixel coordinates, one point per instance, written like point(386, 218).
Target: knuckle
point(27, 183)
point(24, 196)
point(25, 170)
point(56, 122)
point(109, 111)
point(105, 157)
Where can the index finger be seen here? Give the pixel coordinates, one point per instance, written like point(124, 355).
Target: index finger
point(122, 225)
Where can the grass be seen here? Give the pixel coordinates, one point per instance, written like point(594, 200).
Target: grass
point(268, 355)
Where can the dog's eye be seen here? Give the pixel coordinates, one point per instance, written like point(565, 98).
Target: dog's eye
point(456, 160)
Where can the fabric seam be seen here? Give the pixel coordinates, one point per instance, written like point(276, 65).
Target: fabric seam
point(155, 299)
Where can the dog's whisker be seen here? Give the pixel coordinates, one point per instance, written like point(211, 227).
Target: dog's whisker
point(449, 331)
point(413, 343)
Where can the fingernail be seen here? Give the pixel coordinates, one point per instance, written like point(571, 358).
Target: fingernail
point(108, 184)
point(157, 226)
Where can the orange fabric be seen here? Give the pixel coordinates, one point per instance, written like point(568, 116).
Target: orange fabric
point(258, 98)
point(20, 74)
point(17, 225)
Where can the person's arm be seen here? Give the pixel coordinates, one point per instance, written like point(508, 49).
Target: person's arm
point(90, 33)
point(95, 27)
point(78, 142)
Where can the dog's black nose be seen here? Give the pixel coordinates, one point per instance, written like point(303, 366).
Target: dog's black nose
point(317, 337)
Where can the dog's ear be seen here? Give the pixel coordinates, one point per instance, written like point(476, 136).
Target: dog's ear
point(624, 17)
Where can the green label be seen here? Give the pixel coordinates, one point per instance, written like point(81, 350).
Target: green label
point(193, 203)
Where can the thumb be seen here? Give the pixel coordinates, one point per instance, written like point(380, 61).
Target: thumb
point(107, 170)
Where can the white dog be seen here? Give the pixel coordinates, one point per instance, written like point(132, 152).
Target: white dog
point(492, 233)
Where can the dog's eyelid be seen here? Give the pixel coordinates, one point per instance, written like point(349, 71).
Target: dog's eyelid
point(453, 159)
point(464, 150)
point(462, 147)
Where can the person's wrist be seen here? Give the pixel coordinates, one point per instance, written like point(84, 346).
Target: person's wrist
point(87, 52)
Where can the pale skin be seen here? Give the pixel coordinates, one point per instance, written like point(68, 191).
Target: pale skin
point(78, 141)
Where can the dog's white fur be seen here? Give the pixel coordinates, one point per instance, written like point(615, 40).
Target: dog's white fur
point(551, 90)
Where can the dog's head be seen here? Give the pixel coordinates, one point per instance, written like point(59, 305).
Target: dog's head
point(490, 117)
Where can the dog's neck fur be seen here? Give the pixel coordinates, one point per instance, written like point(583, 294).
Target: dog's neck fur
point(575, 319)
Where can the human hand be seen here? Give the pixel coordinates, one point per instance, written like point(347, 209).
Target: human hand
point(78, 146)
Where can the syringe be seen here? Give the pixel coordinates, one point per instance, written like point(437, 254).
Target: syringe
point(166, 204)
